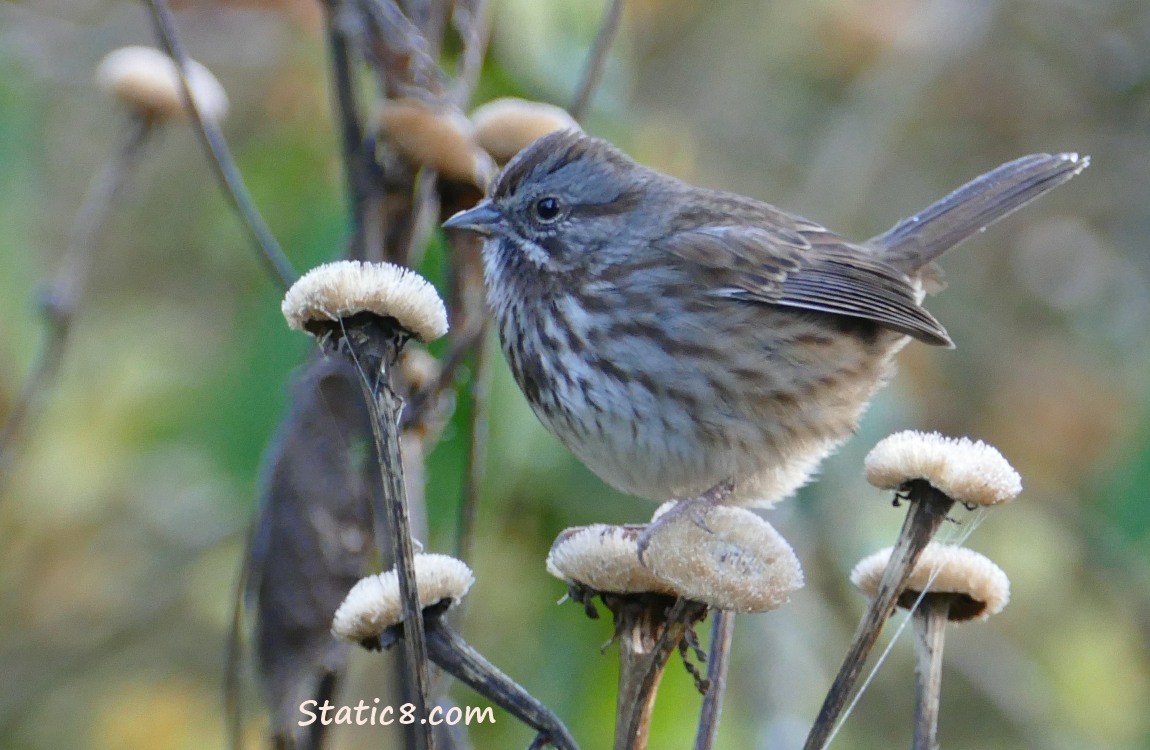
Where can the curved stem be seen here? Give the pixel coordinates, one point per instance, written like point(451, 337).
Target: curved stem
point(471, 21)
point(222, 161)
point(597, 59)
point(467, 665)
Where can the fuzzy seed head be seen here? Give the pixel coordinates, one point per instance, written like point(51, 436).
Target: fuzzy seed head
point(344, 288)
point(147, 80)
point(506, 126)
point(969, 472)
point(734, 561)
point(440, 138)
point(979, 587)
point(373, 605)
point(604, 558)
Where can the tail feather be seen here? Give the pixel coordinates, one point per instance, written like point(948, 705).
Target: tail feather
point(916, 241)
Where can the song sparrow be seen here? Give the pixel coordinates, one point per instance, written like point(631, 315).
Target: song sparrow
point(683, 341)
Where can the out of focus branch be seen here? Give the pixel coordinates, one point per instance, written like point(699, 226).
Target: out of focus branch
point(597, 59)
point(718, 662)
point(406, 67)
point(471, 22)
point(476, 463)
point(61, 299)
point(222, 161)
point(356, 159)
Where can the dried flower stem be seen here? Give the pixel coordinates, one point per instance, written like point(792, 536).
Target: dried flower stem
point(470, 19)
point(375, 346)
point(457, 658)
point(356, 161)
point(930, 621)
point(60, 300)
point(718, 662)
point(637, 634)
point(222, 161)
point(928, 509)
point(401, 53)
point(647, 636)
point(597, 59)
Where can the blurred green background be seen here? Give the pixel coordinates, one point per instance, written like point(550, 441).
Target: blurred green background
point(121, 520)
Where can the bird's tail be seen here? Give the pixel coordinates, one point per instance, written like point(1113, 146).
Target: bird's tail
point(915, 242)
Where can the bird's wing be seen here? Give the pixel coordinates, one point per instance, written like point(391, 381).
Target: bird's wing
point(804, 266)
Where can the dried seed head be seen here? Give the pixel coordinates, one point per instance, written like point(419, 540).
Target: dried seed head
point(730, 559)
point(604, 558)
point(373, 605)
point(419, 369)
point(504, 127)
point(440, 138)
point(972, 473)
point(147, 80)
point(979, 587)
point(339, 290)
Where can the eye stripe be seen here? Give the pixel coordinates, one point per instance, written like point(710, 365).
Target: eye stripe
point(623, 203)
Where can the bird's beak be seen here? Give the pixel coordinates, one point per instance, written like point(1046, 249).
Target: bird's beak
point(483, 219)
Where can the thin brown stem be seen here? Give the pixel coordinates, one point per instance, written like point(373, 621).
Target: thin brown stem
point(349, 117)
point(930, 620)
point(400, 51)
point(460, 660)
point(422, 16)
point(928, 509)
point(222, 161)
point(471, 22)
point(718, 663)
point(60, 301)
point(597, 59)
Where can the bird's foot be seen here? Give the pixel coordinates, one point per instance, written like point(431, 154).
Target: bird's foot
point(695, 508)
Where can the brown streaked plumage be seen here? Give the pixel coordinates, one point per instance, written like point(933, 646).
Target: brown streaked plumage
point(682, 340)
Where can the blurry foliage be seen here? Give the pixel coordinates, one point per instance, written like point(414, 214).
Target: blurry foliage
point(122, 519)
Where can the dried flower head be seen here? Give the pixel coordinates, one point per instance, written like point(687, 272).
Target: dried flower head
point(419, 369)
point(440, 138)
point(339, 290)
point(730, 559)
point(373, 605)
point(603, 558)
point(972, 473)
point(506, 126)
point(979, 587)
point(147, 80)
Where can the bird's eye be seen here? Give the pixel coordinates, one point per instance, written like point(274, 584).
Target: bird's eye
point(547, 209)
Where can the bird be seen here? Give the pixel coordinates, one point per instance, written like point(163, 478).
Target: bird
point(687, 343)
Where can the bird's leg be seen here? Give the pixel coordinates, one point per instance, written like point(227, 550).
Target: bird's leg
point(695, 508)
